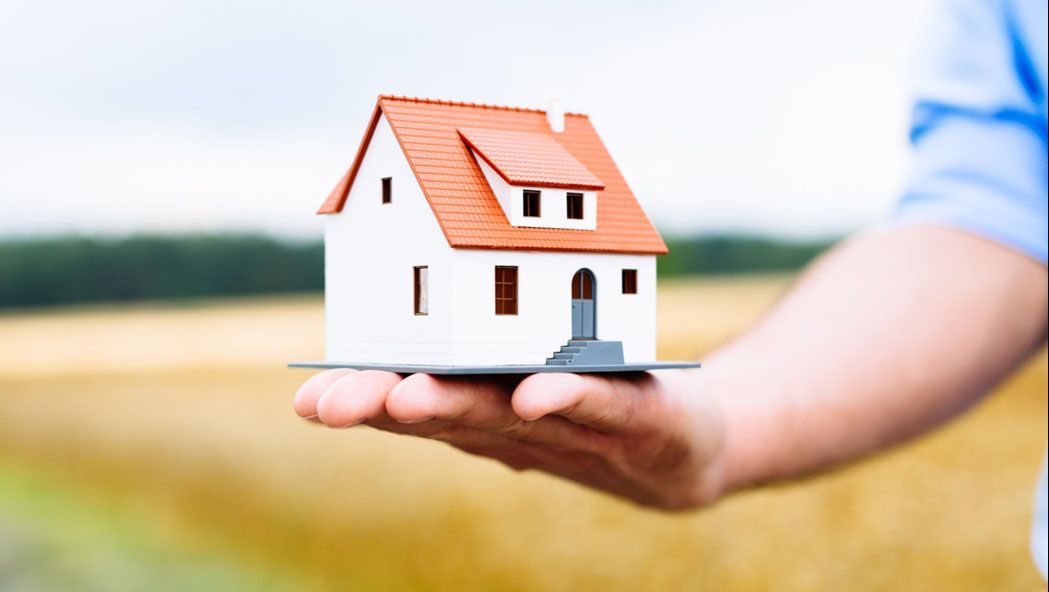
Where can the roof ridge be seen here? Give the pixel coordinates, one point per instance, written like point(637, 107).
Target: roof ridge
point(468, 104)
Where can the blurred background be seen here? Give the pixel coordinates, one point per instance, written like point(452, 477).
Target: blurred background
point(160, 263)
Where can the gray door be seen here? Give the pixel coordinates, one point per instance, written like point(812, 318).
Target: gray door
point(583, 319)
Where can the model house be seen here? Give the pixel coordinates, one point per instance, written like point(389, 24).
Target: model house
point(479, 235)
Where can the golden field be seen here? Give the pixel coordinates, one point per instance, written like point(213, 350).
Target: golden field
point(154, 448)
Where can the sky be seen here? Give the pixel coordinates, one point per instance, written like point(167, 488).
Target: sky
point(757, 116)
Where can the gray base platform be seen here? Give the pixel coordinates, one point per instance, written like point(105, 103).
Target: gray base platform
point(506, 369)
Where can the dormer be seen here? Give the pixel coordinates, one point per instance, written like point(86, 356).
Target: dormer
point(537, 182)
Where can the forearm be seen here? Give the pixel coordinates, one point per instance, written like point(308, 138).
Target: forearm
point(882, 339)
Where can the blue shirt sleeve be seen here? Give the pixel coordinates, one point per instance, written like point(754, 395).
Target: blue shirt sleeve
point(979, 125)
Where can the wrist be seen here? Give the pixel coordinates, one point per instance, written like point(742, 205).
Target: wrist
point(695, 419)
point(742, 458)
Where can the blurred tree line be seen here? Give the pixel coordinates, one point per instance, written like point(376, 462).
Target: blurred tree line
point(730, 254)
point(54, 271)
point(65, 270)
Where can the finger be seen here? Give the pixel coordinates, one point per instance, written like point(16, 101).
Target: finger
point(361, 397)
point(355, 397)
point(481, 404)
point(352, 398)
point(607, 404)
point(310, 392)
point(423, 397)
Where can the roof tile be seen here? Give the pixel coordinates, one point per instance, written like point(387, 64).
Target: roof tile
point(528, 158)
point(431, 134)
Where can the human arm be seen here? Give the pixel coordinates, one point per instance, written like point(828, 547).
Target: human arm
point(882, 339)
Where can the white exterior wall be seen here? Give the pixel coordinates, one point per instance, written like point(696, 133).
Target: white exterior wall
point(371, 248)
point(544, 320)
point(553, 209)
point(499, 186)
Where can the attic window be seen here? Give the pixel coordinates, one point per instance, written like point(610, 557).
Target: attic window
point(387, 190)
point(531, 204)
point(575, 206)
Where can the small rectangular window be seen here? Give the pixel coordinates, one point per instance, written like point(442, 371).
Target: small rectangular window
point(421, 275)
point(531, 204)
point(387, 190)
point(575, 206)
point(505, 290)
point(630, 281)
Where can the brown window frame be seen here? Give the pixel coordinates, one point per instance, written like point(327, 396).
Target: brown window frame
point(421, 290)
point(526, 210)
point(506, 289)
point(574, 206)
point(387, 190)
point(630, 281)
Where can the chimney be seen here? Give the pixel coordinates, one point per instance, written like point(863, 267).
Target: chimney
point(555, 116)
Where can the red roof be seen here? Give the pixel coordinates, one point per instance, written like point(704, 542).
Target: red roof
point(528, 158)
point(431, 133)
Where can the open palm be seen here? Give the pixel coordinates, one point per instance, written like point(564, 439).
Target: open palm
point(642, 436)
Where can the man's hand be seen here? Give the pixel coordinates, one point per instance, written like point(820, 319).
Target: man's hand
point(647, 437)
point(884, 338)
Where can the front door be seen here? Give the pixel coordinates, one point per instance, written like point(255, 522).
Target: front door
point(583, 320)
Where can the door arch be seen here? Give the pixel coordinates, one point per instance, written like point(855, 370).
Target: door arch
point(584, 309)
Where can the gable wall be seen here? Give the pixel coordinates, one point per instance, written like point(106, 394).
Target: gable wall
point(370, 249)
point(500, 188)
